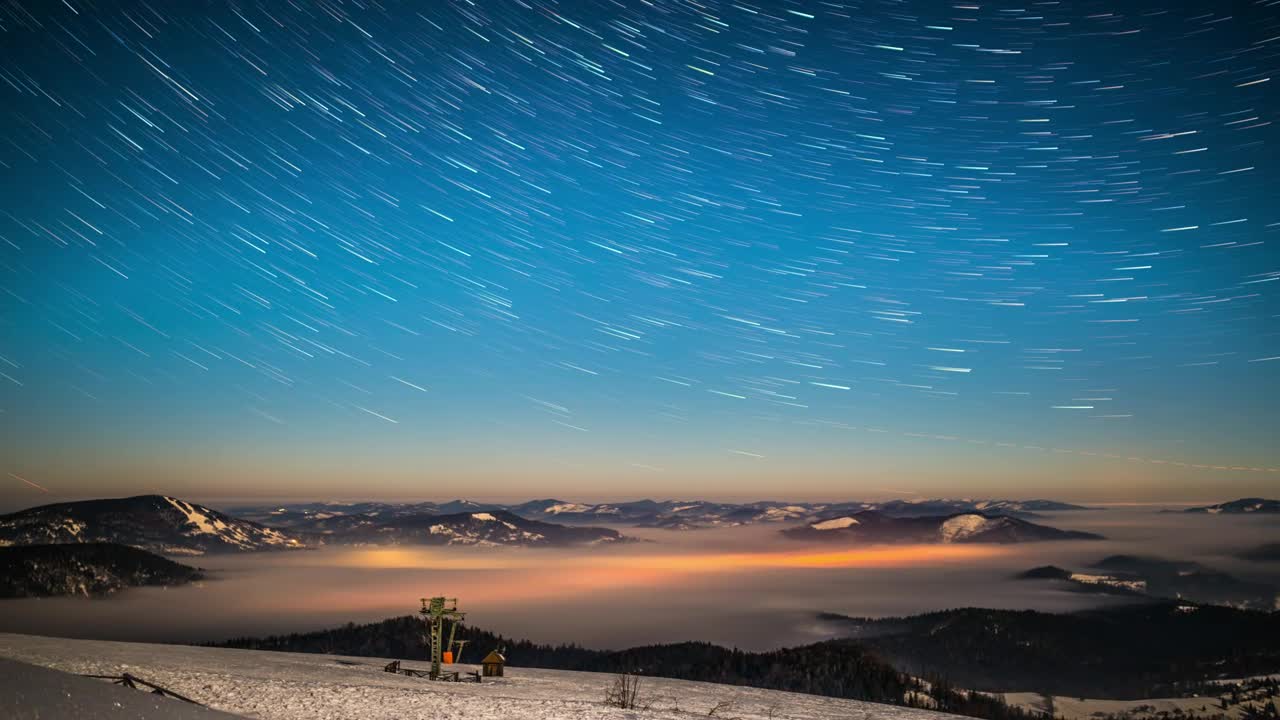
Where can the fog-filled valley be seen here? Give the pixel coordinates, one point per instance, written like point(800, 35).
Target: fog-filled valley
point(747, 587)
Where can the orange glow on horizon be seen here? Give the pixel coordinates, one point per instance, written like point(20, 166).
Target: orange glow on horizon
point(877, 556)
point(525, 578)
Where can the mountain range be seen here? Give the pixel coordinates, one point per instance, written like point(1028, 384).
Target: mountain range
point(86, 569)
point(667, 514)
point(496, 527)
point(171, 526)
point(870, 526)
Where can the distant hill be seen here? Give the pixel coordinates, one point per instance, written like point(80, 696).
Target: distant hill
point(1256, 506)
point(1012, 508)
point(1160, 578)
point(497, 527)
point(1045, 572)
point(153, 522)
point(1129, 651)
point(86, 569)
point(670, 514)
point(1191, 581)
point(873, 527)
point(312, 516)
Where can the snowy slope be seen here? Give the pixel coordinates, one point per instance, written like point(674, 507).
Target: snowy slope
point(835, 523)
point(964, 527)
point(288, 686)
point(31, 692)
point(157, 523)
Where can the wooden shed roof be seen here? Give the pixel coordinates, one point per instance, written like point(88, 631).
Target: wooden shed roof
point(493, 657)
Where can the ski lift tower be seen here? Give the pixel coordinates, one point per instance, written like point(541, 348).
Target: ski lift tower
point(435, 612)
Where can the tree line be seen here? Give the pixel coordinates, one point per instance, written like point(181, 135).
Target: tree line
point(834, 668)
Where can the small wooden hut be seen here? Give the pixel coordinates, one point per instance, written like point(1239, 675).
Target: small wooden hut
point(492, 664)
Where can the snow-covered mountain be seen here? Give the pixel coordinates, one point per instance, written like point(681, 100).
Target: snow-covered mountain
point(307, 515)
point(466, 506)
point(670, 514)
point(639, 512)
point(1257, 506)
point(157, 523)
point(875, 527)
point(667, 514)
point(497, 527)
point(86, 569)
point(547, 507)
point(948, 506)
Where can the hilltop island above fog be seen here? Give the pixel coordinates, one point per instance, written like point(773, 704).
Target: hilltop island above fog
point(873, 527)
point(1151, 577)
point(85, 569)
point(171, 526)
point(1257, 506)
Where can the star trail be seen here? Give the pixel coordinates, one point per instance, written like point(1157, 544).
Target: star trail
point(615, 247)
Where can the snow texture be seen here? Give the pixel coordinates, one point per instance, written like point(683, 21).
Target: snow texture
point(834, 524)
point(964, 526)
point(30, 692)
point(294, 686)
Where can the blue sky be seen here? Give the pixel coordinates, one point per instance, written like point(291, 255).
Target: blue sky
point(618, 249)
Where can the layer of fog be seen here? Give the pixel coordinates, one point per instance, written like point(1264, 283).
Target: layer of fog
point(699, 585)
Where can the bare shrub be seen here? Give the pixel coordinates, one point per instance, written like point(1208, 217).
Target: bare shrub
point(624, 692)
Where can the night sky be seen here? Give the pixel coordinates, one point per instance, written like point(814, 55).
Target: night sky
point(619, 249)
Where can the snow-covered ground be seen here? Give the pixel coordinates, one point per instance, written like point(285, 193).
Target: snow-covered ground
point(293, 686)
point(31, 692)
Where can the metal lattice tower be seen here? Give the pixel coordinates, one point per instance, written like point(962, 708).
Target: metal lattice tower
point(435, 611)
